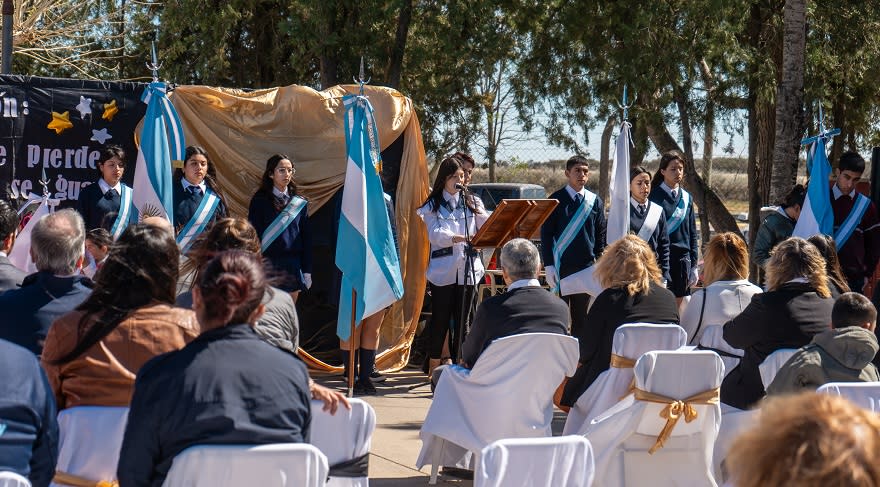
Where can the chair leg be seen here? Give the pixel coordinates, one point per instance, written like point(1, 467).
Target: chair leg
point(434, 470)
point(435, 462)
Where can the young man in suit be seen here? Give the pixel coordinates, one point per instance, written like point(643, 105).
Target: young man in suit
point(856, 226)
point(10, 276)
point(573, 238)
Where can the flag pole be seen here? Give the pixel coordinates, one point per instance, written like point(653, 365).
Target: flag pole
point(351, 345)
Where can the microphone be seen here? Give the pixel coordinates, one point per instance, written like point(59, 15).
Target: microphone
point(460, 187)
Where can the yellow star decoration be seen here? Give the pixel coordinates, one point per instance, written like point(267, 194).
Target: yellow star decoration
point(60, 122)
point(110, 110)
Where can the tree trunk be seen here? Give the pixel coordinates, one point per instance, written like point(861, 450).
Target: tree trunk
point(838, 144)
point(789, 100)
point(681, 102)
point(708, 149)
point(639, 148)
point(395, 60)
point(719, 217)
point(605, 159)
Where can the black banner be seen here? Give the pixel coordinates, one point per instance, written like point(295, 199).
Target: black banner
point(59, 126)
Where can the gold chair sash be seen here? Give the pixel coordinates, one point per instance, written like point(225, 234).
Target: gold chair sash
point(675, 409)
point(621, 362)
point(65, 478)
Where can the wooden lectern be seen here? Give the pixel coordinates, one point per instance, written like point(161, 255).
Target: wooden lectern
point(511, 219)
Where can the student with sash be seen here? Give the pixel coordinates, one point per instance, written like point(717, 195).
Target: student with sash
point(572, 239)
point(198, 202)
point(281, 218)
point(450, 216)
point(681, 223)
point(646, 218)
point(856, 227)
point(107, 203)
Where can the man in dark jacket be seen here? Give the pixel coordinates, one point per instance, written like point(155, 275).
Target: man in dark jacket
point(10, 276)
point(28, 429)
point(841, 354)
point(57, 247)
point(526, 307)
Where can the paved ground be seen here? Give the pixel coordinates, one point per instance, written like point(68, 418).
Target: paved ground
point(401, 407)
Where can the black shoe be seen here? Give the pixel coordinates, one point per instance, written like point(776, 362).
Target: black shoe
point(362, 388)
point(375, 376)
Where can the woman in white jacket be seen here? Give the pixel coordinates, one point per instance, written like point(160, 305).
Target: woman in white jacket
point(727, 289)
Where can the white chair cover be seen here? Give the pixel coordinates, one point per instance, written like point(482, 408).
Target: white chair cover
point(771, 365)
point(630, 341)
point(864, 394)
point(277, 465)
point(508, 394)
point(713, 339)
point(12, 479)
point(343, 436)
point(89, 440)
point(733, 422)
point(622, 436)
point(563, 461)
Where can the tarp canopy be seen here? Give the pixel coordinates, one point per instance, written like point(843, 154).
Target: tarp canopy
point(241, 129)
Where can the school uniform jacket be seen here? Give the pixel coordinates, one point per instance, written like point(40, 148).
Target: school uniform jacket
point(295, 240)
point(685, 239)
point(186, 204)
point(98, 209)
point(658, 241)
point(588, 243)
point(860, 253)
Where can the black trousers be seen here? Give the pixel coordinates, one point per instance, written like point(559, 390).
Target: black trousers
point(577, 309)
point(447, 303)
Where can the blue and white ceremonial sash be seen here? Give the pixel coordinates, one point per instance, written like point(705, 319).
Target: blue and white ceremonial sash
point(678, 215)
point(282, 221)
point(574, 226)
point(199, 220)
point(123, 214)
point(655, 212)
point(852, 220)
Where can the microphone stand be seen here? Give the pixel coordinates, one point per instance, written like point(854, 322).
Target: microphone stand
point(466, 308)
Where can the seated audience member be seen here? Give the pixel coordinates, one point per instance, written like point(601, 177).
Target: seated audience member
point(634, 293)
point(29, 431)
point(98, 242)
point(796, 307)
point(93, 353)
point(10, 276)
point(778, 225)
point(526, 307)
point(836, 280)
point(279, 325)
point(57, 248)
point(727, 288)
point(808, 440)
point(842, 354)
point(228, 386)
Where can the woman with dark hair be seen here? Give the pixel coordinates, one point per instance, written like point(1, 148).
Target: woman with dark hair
point(450, 215)
point(92, 354)
point(107, 203)
point(828, 248)
point(98, 242)
point(281, 218)
point(778, 225)
point(646, 218)
point(227, 386)
point(796, 306)
point(681, 223)
point(198, 201)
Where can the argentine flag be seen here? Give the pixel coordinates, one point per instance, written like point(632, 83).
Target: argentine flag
point(816, 214)
point(365, 251)
point(618, 214)
point(161, 142)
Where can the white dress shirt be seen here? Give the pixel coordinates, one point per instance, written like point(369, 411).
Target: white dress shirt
point(524, 283)
point(187, 184)
point(280, 194)
point(572, 192)
point(105, 186)
point(442, 225)
point(669, 190)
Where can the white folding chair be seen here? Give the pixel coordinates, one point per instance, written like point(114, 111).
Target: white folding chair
point(771, 365)
point(713, 340)
point(864, 394)
point(631, 341)
point(89, 440)
point(624, 437)
point(733, 422)
point(508, 394)
point(563, 461)
point(344, 438)
point(12, 479)
point(275, 465)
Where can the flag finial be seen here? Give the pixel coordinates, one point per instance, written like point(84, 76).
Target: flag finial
point(360, 79)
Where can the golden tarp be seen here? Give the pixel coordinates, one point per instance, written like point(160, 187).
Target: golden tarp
point(241, 129)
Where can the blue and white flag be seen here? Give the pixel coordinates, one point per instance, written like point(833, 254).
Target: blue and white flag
point(816, 214)
point(618, 214)
point(365, 251)
point(161, 142)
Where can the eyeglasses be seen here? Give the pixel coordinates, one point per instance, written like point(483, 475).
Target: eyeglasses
point(285, 170)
